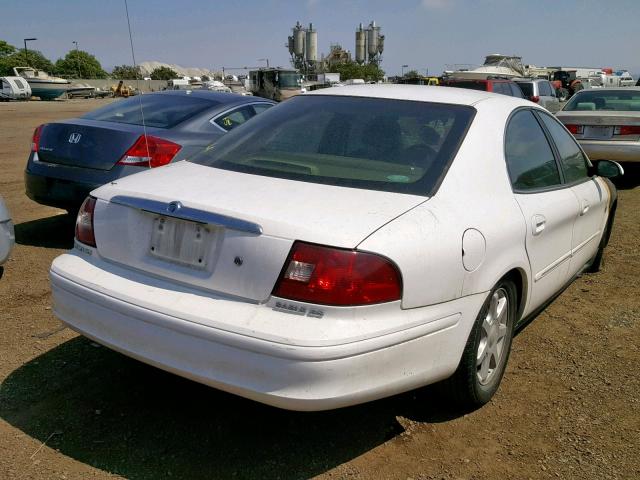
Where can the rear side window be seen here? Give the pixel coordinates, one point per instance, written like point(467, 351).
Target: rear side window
point(529, 157)
point(527, 88)
point(545, 89)
point(234, 118)
point(160, 111)
point(516, 91)
point(573, 162)
point(372, 143)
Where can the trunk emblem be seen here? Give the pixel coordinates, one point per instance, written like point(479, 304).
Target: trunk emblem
point(75, 137)
point(174, 207)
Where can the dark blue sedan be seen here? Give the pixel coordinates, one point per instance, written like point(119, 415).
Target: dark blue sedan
point(70, 158)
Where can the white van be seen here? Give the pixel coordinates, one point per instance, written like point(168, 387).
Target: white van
point(14, 88)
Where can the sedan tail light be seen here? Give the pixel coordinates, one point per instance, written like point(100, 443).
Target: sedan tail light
point(534, 99)
point(35, 140)
point(84, 222)
point(149, 151)
point(627, 130)
point(334, 276)
point(575, 129)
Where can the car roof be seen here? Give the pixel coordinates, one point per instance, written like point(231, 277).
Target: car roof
point(420, 93)
point(220, 97)
point(611, 89)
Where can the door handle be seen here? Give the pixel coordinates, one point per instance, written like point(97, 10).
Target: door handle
point(538, 224)
point(585, 207)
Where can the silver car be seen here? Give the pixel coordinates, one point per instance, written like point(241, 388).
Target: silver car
point(7, 236)
point(606, 122)
point(539, 91)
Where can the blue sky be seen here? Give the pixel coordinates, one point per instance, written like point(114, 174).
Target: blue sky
point(421, 33)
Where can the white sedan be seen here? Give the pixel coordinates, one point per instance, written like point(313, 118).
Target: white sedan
point(7, 236)
point(347, 245)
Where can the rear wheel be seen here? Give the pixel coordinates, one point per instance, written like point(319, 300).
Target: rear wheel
point(598, 260)
point(487, 350)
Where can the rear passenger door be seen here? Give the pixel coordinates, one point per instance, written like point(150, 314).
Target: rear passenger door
point(549, 207)
point(591, 194)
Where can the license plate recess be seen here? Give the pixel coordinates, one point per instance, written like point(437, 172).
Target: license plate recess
point(183, 242)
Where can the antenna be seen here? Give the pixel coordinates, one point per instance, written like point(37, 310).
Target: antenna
point(133, 56)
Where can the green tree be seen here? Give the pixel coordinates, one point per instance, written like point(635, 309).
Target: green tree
point(35, 59)
point(368, 72)
point(79, 64)
point(126, 72)
point(412, 74)
point(6, 49)
point(163, 73)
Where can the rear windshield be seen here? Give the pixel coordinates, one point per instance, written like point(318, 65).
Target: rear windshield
point(377, 144)
point(161, 111)
point(470, 85)
point(527, 88)
point(597, 99)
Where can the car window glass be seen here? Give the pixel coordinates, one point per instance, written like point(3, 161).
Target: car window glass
point(156, 110)
point(530, 160)
point(545, 90)
point(234, 118)
point(527, 88)
point(574, 163)
point(261, 107)
point(499, 88)
point(516, 91)
point(371, 143)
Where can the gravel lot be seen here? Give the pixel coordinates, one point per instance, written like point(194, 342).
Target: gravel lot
point(568, 407)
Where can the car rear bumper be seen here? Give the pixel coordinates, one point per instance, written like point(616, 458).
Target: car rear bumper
point(56, 192)
point(284, 373)
point(618, 151)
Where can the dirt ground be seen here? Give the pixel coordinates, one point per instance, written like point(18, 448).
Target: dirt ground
point(568, 406)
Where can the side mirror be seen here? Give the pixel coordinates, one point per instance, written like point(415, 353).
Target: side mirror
point(606, 168)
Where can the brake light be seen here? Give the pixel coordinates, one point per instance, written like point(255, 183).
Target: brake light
point(534, 99)
point(35, 141)
point(84, 222)
point(334, 276)
point(575, 129)
point(149, 151)
point(627, 130)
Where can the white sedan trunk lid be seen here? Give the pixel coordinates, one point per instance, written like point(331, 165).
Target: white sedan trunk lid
point(226, 259)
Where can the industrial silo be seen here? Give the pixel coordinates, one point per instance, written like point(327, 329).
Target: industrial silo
point(312, 44)
point(361, 45)
point(298, 40)
point(290, 44)
point(372, 44)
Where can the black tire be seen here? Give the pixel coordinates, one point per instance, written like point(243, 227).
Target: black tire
point(465, 387)
point(598, 260)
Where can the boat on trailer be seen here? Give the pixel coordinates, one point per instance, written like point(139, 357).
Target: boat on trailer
point(43, 85)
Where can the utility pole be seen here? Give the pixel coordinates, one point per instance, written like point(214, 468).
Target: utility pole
point(77, 59)
point(26, 51)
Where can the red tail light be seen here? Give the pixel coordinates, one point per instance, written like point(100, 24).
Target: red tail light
point(627, 130)
point(534, 99)
point(575, 129)
point(84, 222)
point(333, 276)
point(149, 151)
point(35, 141)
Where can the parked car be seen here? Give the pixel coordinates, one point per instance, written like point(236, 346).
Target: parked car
point(606, 122)
point(494, 85)
point(540, 91)
point(346, 245)
point(7, 235)
point(70, 158)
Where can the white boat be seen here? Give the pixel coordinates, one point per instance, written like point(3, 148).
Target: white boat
point(42, 84)
point(495, 65)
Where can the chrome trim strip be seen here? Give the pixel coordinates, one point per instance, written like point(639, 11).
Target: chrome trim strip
point(188, 213)
point(583, 244)
point(552, 266)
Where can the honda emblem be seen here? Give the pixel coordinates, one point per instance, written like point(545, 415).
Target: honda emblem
point(75, 137)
